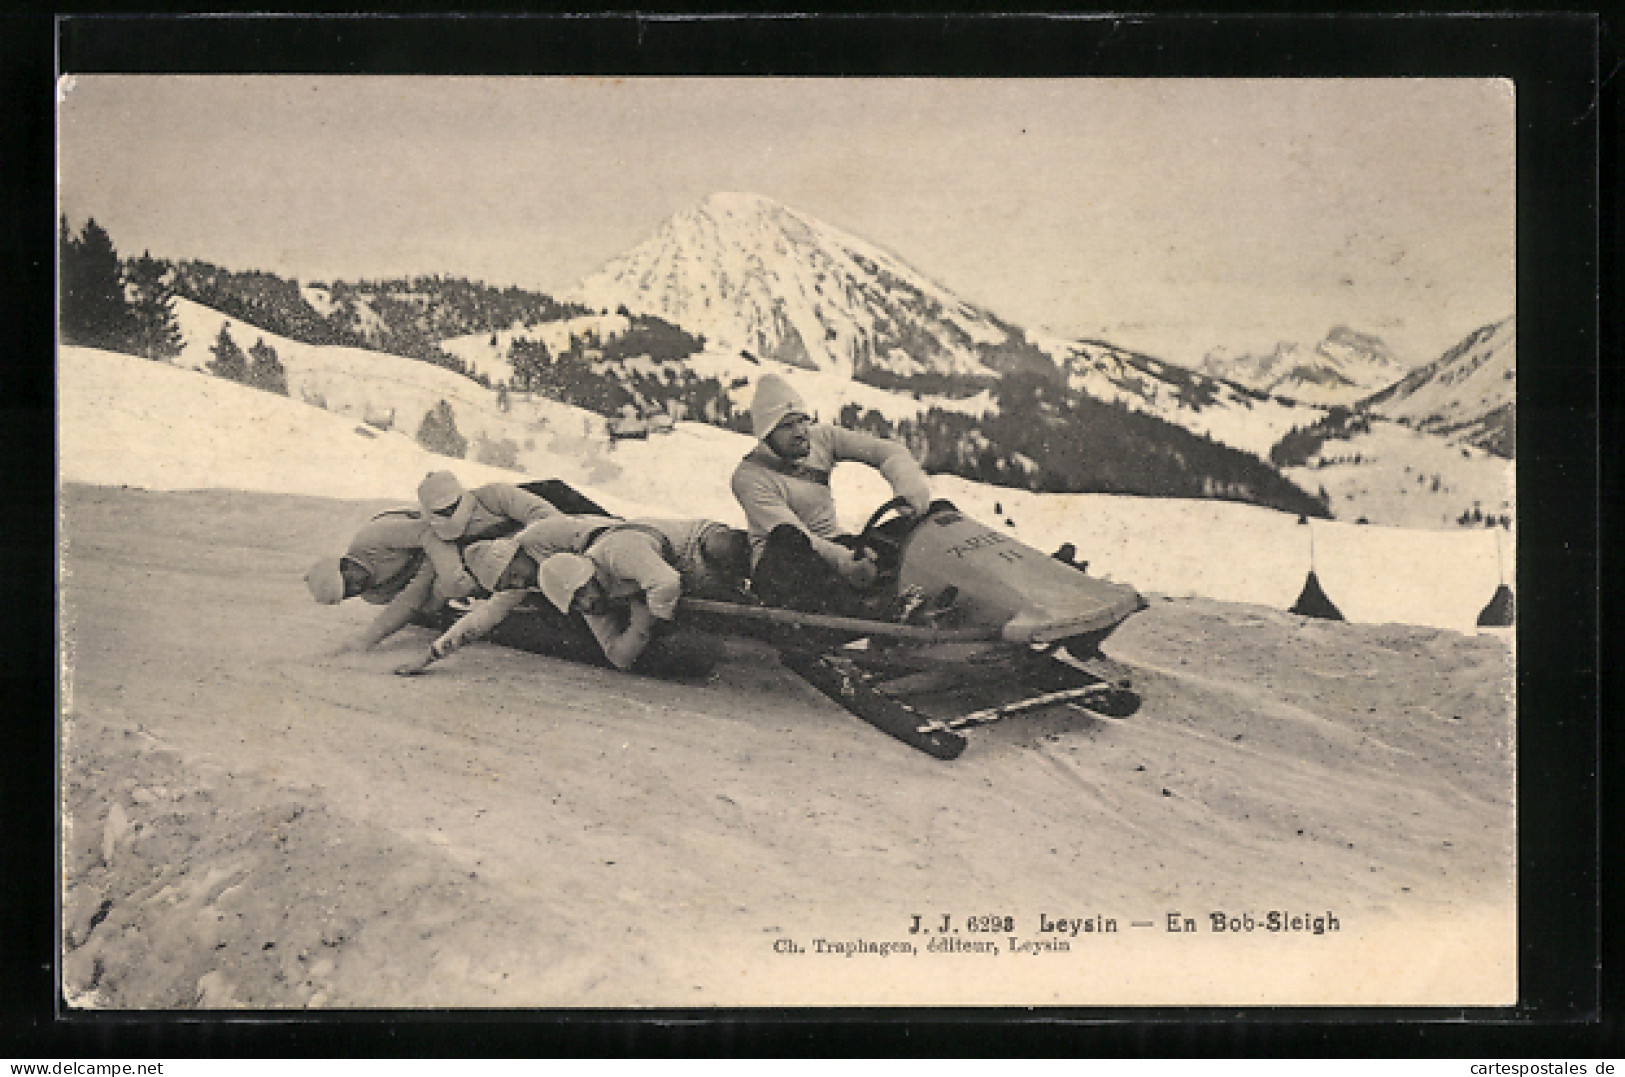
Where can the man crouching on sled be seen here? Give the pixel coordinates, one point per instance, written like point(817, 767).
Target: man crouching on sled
point(611, 588)
point(801, 558)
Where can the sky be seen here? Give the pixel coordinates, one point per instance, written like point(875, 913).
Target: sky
point(1178, 216)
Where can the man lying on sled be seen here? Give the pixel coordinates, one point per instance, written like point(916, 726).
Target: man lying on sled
point(398, 561)
point(800, 556)
point(611, 587)
point(458, 517)
point(385, 565)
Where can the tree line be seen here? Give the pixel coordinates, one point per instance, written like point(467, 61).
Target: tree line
point(1300, 444)
point(128, 305)
point(1047, 438)
point(598, 375)
point(106, 303)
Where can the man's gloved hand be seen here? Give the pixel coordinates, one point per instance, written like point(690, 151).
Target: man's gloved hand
point(416, 667)
point(861, 571)
point(918, 504)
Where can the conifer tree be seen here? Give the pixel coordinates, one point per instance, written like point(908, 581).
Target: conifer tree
point(265, 370)
point(155, 332)
point(229, 362)
point(438, 432)
point(532, 364)
point(94, 311)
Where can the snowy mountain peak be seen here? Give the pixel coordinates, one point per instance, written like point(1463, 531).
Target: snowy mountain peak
point(1342, 368)
point(752, 274)
point(1341, 336)
point(738, 204)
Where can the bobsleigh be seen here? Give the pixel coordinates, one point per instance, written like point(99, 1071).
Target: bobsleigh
point(1009, 630)
point(1004, 629)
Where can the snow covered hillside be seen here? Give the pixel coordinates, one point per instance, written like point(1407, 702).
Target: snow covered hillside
point(129, 421)
point(750, 273)
point(825, 391)
point(1225, 412)
point(350, 381)
point(389, 391)
point(1401, 477)
point(479, 351)
point(1341, 369)
point(1468, 394)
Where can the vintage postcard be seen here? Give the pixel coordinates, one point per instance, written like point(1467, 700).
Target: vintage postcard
point(652, 542)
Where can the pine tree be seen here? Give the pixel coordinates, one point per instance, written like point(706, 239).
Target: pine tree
point(156, 334)
point(532, 364)
point(265, 369)
point(438, 432)
point(229, 362)
point(94, 311)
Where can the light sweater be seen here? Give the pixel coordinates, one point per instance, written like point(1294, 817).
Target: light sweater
point(775, 491)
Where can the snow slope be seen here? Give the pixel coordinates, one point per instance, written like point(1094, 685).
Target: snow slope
point(351, 381)
point(128, 421)
point(251, 821)
point(1198, 402)
point(1469, 393)
point(1395, 475)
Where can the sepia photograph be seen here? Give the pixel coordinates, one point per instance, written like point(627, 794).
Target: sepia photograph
point(544, 542)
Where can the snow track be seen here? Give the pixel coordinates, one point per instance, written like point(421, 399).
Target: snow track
point(515, 830)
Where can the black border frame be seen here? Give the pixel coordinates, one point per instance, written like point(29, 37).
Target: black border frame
point(1563, 466)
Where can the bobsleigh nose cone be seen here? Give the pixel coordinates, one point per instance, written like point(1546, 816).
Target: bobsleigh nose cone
point(1038, 622)
point(1023, 626)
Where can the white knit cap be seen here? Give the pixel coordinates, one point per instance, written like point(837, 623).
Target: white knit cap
point(326, 581)
point(561, 576)
point(774, 400)
point(490, 559)
point(438, 490)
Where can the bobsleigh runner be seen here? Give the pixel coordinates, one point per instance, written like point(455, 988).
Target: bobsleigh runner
point(1022, 632)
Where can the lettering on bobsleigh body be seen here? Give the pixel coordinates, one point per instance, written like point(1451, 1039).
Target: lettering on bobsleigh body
point(986, 540)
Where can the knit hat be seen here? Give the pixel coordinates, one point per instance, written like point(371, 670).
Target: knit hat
point(562, 575)
point(490, 559)
point(724, 547)
point(439, 490)
point(774, 400)
point(326, 581)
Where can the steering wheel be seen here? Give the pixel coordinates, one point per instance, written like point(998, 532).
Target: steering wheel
point(886, 547)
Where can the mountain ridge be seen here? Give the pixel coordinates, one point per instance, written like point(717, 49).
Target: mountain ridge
point(1340, 369)
point(750, 272)
point(755, 276)
point(1468, 394)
